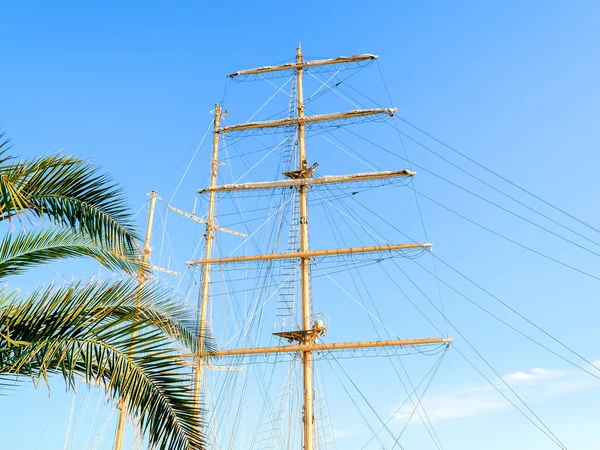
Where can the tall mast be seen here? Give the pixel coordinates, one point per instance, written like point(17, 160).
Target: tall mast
point(146, 253)
point(304, 262)
point(207, 255)
point(306, 339)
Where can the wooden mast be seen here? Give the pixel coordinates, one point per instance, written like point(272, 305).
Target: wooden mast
point(207, 255)
point(146, 253)
point(304, 262)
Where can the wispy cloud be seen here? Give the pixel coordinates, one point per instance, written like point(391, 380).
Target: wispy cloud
point(458, 404)
point(536, 374)
point(467, 401)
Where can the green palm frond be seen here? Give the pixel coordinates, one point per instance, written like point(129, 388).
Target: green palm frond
point(87, 329)
point(70, 192)
point(23, 250)
point(4, 148)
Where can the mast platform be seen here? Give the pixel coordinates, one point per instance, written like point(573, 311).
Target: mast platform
point(304, 336)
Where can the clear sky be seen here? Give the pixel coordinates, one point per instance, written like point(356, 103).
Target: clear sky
point(511, 84)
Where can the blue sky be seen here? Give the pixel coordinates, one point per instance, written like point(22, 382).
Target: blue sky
point(513, 85)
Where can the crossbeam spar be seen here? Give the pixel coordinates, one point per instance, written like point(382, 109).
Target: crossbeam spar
point(302, 120)
point(305, 64)
point(327, 179)
point(311, 253)
point(201, 220)
point(331, 346)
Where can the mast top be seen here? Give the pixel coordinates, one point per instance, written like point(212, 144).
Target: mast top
point(301, 64)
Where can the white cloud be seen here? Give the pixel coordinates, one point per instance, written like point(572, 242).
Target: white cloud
point(536, 374)
point(458, 404)
point(531, 385)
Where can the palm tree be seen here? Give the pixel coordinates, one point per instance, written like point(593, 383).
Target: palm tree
point(117, 333)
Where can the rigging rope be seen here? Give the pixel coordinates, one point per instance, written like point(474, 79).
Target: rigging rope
point(525, 319)
point(419, 402)
point(365, 400)
point(393, 415)
point(427, 425)
point(357, 407)
point(412, 182)
point(493, 204)
point(497, 299)
point(548, 433)
point(501, 177)
point(478, 178)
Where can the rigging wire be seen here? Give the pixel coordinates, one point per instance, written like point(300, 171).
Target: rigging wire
point(261, 159)
point(485, 168)
point(455, 347)
point(314, 97)
point(419, 402)
point(548, 433)
point(510, 326)
point(185, 172)
point(412, 183)
point(480, 165)
point(393, 415)
point(551, 435)
point(485, 183)
point(366, 400)
point(270, 98)
point(489, 293)
point(550, 258)
point(503, 178)
point(70, 423)
point(431, 433)
point(360, 411)
point(89, 434)
point(519, 408)
point(200, 242)
point(437, 278)
point(521, 315)
point(379, 336)
point(493, 204)
point(322, 85)
point(325, 417)
point(163, 219)
point(331, 88)
point(262, 383)
point(56, 404)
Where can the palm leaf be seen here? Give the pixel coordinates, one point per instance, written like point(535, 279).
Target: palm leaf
point(4, 148)
point(26, 249)
point(86, 330)
point(70, 192)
